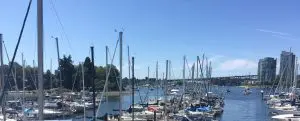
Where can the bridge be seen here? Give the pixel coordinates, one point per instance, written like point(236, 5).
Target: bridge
point(227, 80)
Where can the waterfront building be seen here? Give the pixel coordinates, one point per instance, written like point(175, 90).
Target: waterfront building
point(266, 70)
point(287, 65)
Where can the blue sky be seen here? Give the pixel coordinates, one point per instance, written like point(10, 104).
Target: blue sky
point(233, 34)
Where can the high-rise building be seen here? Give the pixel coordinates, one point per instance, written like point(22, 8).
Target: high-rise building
point(266, 70)
point(287, 65)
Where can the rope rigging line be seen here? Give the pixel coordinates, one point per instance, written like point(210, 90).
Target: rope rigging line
point(7, 59)
point(189, 69)
point(111, 58)
point(13, 59)
point(75, 78)
point(60, 23)
point(15, 80)
point(107, 77)
point(12, 72)
point(147, 93)
point(33, 79)
point(15, 51)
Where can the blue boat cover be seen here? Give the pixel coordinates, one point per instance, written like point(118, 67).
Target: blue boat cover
point(201, 109)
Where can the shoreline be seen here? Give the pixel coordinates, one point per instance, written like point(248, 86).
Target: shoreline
point(34, 94)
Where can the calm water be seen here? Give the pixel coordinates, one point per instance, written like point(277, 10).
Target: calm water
point(113, 102)
point(238, 107)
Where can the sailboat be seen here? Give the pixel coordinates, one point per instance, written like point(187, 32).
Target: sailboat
point(285, 108)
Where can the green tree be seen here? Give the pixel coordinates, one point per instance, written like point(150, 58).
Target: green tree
point(100, 78)
point(180, 82)
point(77, 77)
point(47, 79)
point(113, 78)
point(88, 71)
point(31, 77)
point(68, 69)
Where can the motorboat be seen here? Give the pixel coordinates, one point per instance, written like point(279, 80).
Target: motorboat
point(48, 113)
point(286, 117)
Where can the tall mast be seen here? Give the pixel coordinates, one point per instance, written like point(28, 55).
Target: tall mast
point(148, 72)
point(83, 92)
point(128, 62)
point(40, 58)
point(197, 70)
point(1, 62)
point(23, 75)
point(93, 78)
point(15, 74)
point(169, 69)
point(132, 82)
point(51, 79)
point(193, 71)
point(209, 75)
point(121, 55)
point(165, 91)
point(156, 80)
point(2, 76)
point(183, 74)
point(161, 82)
point(106, 70)
point(58, 60)
point(206, 73)
point(295, 76)
point(202, 67)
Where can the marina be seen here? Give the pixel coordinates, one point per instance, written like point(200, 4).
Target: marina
point(138, 73)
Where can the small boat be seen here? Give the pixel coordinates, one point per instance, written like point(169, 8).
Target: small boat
point(7, 119)
point(247, 91)
point(286, 117)
point(48, 113)
point(125, 118)
point(227, 90)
